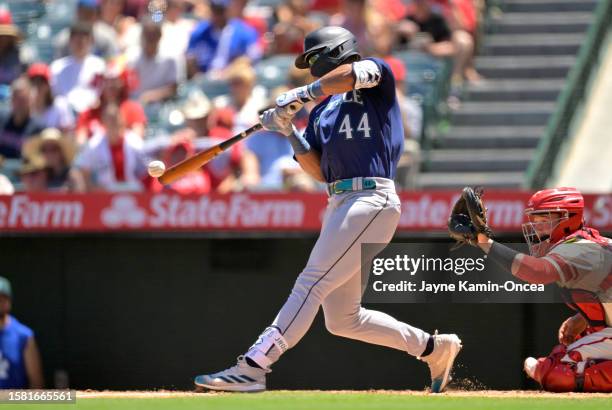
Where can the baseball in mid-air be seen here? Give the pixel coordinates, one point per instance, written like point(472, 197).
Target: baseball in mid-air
point(156, 169)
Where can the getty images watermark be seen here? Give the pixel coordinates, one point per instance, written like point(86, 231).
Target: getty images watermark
point(432, 272)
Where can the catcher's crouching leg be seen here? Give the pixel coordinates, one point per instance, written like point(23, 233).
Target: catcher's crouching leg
point(557, 376)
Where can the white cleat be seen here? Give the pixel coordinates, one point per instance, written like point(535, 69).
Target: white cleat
point(238, 378)
point(441, 360)
point(530, 365)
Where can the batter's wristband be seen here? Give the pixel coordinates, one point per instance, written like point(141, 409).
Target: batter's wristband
point(315, 90)
point(298, 142)
point(502, 255)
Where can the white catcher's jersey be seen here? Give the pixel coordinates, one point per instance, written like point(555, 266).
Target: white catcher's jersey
point(587, 265)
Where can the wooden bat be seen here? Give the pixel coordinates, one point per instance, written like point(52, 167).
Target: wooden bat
point(196, 161)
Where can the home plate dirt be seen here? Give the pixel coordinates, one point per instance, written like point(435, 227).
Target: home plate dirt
point(160, 394)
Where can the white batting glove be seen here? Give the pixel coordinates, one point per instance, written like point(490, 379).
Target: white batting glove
point(277, 119)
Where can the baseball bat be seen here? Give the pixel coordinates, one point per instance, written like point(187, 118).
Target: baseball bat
point(196, 161)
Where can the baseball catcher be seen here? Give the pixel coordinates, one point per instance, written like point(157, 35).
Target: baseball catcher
point(353, 142)
point(562, 250)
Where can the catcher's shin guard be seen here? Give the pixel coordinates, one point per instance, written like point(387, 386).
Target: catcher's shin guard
point(557, 376)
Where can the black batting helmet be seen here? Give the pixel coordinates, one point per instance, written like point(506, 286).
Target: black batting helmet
point(326, 49)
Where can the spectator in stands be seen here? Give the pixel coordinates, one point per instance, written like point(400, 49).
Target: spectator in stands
point(465, 18)
point(136, 8)
point(383, 37)
point(111, 12)
point(412, 118)
point(292, 26)
point(236, 9)
point(459, 44)
point(34, 174)
point(205, 126)
point(157, 74)
point(10, 61)
point(216, 42)
point(355, 17)
point(246, 98)
point(196, 110)
point(73, 76)
point(392, 10)
point(58, 151)
point(6, 187)
point(115, 86)
point(17, 125)
point(197, 182)
point(126, 29)
point(175, 35)
point(112, 159)
point(295, 179)
point(412, 114)
point(233, 170)
point(326, 6)
point(104, 40)
point(50, 111)
point(19, 355)
point(269, 147)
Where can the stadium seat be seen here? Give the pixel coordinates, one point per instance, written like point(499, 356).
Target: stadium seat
point(25, 11)
point(265, 3)
point(272, 71)
point(525, 58)
point(10, 167)
point(212, 88)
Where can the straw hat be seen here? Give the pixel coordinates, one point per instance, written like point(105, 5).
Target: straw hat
point(33, 146)
point(7, 28)
point(32, 164)
point(197, 106)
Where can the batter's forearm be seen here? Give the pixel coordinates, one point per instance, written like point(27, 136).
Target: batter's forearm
point(338, 81)
point(311, 164)
point(347, 77)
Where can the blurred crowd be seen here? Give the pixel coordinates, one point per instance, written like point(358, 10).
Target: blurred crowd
point(80, 123)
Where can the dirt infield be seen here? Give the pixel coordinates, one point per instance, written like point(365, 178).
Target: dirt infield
point(161, 394)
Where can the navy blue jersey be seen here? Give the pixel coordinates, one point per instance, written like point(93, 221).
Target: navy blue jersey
point(359, 133)
point(13, 340)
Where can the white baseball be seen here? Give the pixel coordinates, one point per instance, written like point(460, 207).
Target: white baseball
point(156, 169)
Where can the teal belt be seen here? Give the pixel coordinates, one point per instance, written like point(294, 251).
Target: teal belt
point(350, 184)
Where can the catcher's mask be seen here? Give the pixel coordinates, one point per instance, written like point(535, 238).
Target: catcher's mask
point(326, 49)
point(537, 233)
point(564, 208)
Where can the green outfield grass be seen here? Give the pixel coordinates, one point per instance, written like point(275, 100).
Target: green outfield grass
point(333, 401)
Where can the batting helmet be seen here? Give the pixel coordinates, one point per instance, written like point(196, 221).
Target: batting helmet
point(326, 49)
point(565, 201)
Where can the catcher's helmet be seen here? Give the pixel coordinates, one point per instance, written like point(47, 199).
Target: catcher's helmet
point(326, 49)
point(568, 202)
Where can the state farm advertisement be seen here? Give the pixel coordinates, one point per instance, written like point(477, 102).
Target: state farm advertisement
point(421, 211)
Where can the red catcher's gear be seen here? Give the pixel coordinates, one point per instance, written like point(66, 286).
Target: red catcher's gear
point(566, 201)
point(556, 376)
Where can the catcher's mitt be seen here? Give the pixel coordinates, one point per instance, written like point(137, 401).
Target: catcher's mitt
point(468, 218)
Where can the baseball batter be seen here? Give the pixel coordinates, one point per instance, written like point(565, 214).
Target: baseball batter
point(353, 141)
point(565, 251)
